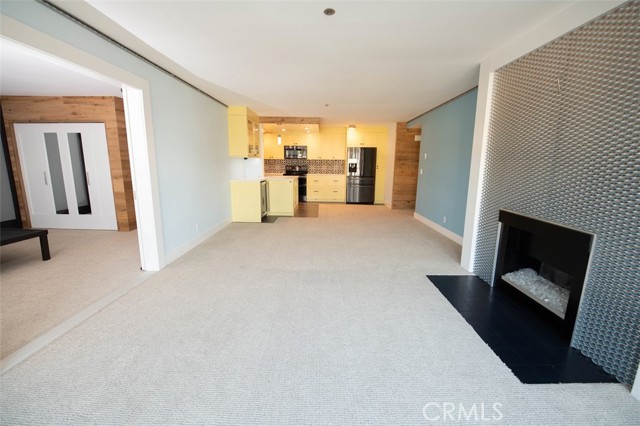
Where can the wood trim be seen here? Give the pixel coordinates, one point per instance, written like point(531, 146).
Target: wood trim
point(17, 221)
point(290, 120)
point(75, 109)
point(405, 171)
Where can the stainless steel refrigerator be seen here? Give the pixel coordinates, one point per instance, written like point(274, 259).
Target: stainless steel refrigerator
point(361, 175)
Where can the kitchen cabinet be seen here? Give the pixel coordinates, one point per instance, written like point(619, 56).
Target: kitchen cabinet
point(271, 149)
point(330, 188)
point(381, 165)
point(366, 139)
point(298, 138)
point(283, 195)
point(248, 200)
point(329, 146)
point(244, 132)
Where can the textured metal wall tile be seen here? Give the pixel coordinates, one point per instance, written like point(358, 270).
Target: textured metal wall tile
point(564, 145)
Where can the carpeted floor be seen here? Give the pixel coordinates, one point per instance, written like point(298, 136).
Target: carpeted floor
point(84, 267)
point(326, 321)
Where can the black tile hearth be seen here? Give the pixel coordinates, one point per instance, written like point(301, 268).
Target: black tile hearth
point(529, 347)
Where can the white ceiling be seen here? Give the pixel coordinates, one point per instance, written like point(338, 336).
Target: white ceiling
point(372, 62)
point(27, 72)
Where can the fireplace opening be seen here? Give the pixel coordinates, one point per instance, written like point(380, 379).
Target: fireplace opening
point(544, 266)
point(548, 291)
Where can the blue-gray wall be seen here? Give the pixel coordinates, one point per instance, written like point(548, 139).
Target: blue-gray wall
point(190, 133)
point(447, 139)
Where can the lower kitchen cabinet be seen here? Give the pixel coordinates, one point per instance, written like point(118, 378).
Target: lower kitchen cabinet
point(248, 200)
point(283, 195)
point(330, 188)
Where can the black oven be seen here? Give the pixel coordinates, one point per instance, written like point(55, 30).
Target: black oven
point(291, 151)
point(301, 172)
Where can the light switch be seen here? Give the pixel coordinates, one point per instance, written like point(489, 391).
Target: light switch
point(425, 155)
point(421, 170)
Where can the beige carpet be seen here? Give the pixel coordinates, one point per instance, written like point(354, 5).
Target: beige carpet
point(326, 321)
point(84, 267)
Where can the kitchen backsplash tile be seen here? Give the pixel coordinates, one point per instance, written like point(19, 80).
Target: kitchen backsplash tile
point(321, 167)
point(273, 166)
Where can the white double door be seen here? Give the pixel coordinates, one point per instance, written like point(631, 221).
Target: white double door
point(66, 174)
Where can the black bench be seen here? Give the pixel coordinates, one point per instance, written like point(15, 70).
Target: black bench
point(14, 235)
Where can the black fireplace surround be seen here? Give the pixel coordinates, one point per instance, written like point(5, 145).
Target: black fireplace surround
point(558, 253)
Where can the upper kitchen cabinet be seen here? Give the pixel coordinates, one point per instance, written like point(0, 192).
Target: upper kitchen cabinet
point(272, 151)
point(369, 137)
point(244, 132)
point(330, 146)
point(299, 139)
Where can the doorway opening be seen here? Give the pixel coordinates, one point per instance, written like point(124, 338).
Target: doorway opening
point(148, 236)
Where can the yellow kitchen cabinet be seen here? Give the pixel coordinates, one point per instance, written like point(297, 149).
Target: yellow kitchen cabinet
point(315, 147)
point(338, 144)
point(362, 140)
point(331, 146)
point(311, 141)
point(244, 132)
point(381, 164)
point(356, 139)
point(315, 187)
point(367, 136)
point(248, 200)
point(336, 188)
point(283, 195)
point(296, 138)
point(272, 151)
point(328, 188)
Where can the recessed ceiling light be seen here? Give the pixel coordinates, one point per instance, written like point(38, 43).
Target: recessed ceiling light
point(328, 11)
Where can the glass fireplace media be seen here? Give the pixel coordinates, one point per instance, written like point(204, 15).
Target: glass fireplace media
point(544, 266)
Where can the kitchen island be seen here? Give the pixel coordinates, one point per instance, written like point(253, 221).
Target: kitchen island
point(283, 195)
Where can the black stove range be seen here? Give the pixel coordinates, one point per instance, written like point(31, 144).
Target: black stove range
point(301, 172)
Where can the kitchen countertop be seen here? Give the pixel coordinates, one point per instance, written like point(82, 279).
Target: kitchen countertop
point(279, 176)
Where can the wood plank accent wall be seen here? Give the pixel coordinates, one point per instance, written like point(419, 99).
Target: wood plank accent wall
point(76, 109)
point(405, 173)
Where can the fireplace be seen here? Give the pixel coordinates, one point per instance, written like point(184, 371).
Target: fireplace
point(543, 265)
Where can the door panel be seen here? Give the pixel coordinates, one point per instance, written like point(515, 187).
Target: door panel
point(67, 161)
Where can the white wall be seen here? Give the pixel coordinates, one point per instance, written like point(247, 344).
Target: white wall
point(187, 130)
point(570, 18)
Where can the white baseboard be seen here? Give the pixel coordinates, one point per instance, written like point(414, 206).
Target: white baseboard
point(439, 229)
point(190, 245)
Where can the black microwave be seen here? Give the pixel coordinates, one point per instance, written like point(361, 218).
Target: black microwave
point(291, 151)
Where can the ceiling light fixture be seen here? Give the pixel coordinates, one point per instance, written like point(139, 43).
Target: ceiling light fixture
point(279, 140)
point(352, 126)
point(328, 11)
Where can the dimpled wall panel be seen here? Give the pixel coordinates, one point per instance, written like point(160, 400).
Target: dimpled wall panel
point(564, 145)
